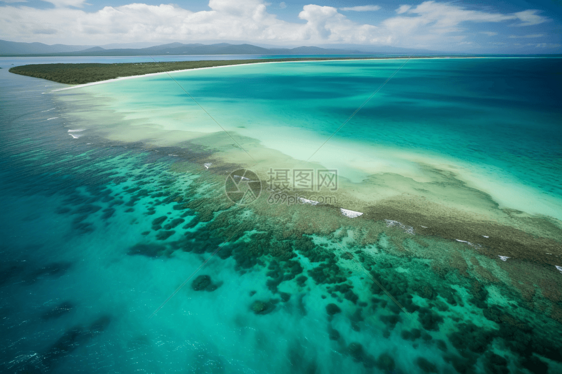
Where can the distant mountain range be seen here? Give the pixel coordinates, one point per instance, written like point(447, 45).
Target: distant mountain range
point(213, 49)
point(39, 49)
point(15, 48)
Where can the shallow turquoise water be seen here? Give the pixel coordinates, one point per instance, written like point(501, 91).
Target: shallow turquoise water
point(75, 297)
point(498, 117)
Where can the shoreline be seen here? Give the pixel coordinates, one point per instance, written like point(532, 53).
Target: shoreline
point(252, 62)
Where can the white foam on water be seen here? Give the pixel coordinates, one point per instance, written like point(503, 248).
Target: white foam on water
point(207, 165)
point(503, 258)
point(241, 178)
point(407, 229)
point(469, 243)
point(350, 213)
point(77, 130)
point(172, 155)
point(425, 227)
point(485, 236)
point(48, 110)
point(48, 119)
point(75, 136)
point(311, 202)
point(559, 268)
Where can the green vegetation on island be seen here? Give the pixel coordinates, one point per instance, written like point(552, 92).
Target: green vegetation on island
point(87, 73)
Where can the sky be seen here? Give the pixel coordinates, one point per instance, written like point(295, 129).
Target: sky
point(492, 26)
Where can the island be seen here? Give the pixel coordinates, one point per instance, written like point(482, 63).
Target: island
point(82, 73)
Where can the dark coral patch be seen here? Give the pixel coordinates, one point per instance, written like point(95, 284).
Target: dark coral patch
point(425, 365)
point(174, 223)
point(150, 250)
point(158, 221)
point(385, 362)
point(204, 283)
point(332, 309)
point(163, 235)
point(262, 307)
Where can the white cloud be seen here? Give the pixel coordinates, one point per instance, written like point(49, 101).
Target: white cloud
point(526, 36)
point(67, 3)
point(363, 8)
point(431, 21)
point(530, 18)
point(282, 5)
point(489, 33)
point(403, 9)
point(448, 15)
point(325, 23)
point(539, 45)
point(14, 1)
point(244, 20)
point(317, 18)
point(428, 25)
point(548, 45)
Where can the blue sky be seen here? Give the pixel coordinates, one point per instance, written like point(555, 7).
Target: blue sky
point(517, 26)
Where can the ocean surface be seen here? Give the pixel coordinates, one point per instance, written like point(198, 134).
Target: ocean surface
point(122, 253)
